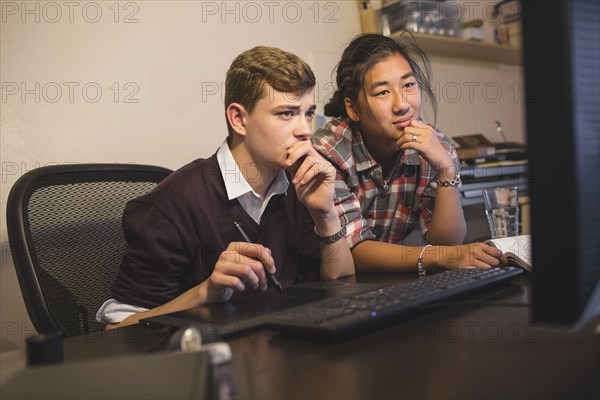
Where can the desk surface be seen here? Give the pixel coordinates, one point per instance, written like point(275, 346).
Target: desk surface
point(482, 346)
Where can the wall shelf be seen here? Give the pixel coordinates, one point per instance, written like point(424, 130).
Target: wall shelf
point(449, 47)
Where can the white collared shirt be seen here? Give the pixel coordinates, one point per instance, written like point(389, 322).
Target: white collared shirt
point(237, 187)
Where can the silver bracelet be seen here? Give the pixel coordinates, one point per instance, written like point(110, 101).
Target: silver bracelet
point(422, 271)
point(456, 181)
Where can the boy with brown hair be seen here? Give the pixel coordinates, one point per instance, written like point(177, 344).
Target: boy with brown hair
point(184, 248)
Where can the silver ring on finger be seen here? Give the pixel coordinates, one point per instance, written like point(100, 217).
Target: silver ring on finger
point(414, 138)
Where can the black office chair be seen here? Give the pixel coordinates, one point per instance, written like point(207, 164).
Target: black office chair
point(64, 228)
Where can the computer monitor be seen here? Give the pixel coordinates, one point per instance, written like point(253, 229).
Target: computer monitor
point(562, 79)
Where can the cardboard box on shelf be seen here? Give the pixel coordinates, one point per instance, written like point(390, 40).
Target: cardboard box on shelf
point(509, 34)
point(508, 27)
point(473, 146)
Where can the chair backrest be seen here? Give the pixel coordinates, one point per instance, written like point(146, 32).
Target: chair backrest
point(66, 239)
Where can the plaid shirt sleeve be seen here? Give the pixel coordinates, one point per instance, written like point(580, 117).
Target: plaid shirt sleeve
point(428, 182)
point(348, 206)
point(337, 149)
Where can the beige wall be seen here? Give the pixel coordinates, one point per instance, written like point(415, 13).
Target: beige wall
point(168, 59)
point(472, 95)
point(141, 82)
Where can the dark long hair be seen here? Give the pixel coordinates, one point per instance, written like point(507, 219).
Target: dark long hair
point(362, 54)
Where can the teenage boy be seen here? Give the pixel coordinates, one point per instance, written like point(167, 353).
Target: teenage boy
point(183, 246)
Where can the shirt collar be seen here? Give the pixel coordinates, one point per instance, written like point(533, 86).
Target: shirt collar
point(235, 183)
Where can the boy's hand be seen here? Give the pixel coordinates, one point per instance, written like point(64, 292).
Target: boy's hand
point(240, 265)
point(313, 177)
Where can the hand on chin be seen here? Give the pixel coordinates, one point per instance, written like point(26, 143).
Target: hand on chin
point(295, 167)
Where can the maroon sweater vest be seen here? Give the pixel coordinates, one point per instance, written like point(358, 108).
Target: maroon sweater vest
point(176, 233)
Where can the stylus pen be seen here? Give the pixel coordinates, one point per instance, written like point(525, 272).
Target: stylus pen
point(270, 277)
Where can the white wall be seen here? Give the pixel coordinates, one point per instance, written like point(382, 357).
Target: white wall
point(160, 67)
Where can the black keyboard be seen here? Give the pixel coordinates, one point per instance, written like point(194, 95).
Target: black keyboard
point(347, 316)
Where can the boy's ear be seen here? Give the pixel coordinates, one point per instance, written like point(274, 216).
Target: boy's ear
point(351, 110)
point(236, 116)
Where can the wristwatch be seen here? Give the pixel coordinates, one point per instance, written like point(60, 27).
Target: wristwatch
point(333, 238)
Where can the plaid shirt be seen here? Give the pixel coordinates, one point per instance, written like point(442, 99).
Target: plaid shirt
point(374, 207)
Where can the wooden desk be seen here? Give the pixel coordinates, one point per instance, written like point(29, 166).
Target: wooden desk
point(482, 346)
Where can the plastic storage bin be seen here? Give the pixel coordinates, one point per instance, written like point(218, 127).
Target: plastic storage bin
point(428, 17)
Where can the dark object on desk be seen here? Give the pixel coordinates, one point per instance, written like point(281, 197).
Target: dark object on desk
point(222, 320)
point(341, 318)
point(516, 170)
point(475, 161)
point(44, 349)
point(156, 376)
point(511, 151)
point(64, 227)
point(502, 147)
point(506, 151)
point(270, 277)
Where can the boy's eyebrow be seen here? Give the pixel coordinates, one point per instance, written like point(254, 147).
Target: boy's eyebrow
point(293, 107)
point(383, 83)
